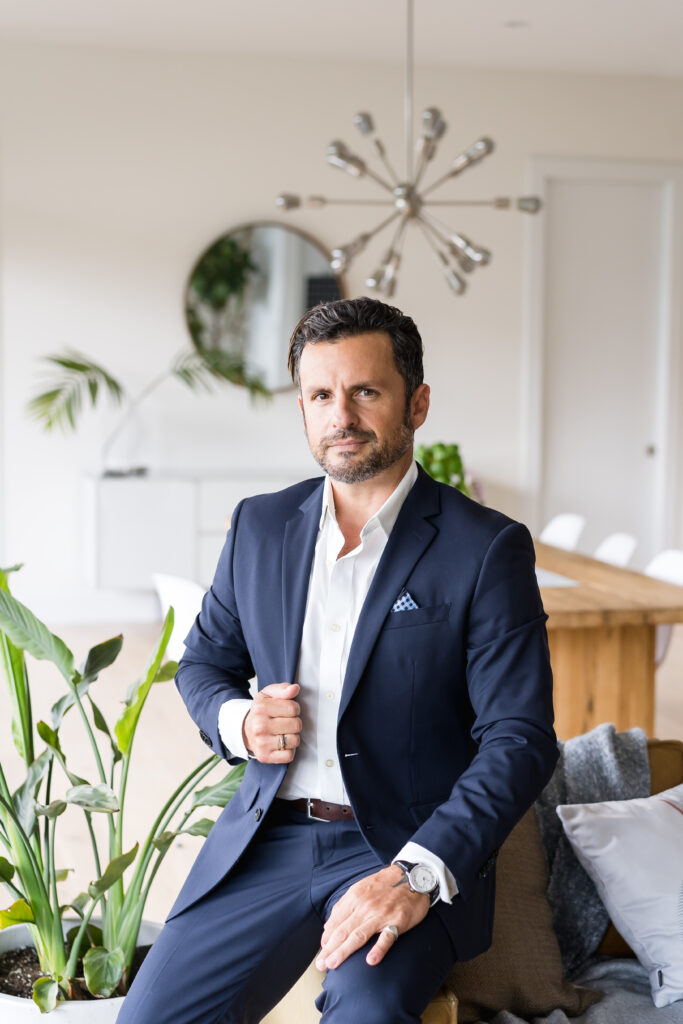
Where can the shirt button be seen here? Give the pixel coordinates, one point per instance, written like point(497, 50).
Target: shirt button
point(329, 763)
point(335, 627)
point(330, 695)
point(258, 813)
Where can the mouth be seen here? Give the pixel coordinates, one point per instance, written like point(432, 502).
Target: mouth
point(347, 446)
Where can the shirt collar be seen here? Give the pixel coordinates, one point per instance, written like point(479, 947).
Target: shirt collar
point(385, 516)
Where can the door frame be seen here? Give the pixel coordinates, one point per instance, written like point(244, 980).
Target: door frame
point(541, 171)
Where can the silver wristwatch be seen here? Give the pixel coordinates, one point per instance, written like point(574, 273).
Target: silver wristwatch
point(422, 878)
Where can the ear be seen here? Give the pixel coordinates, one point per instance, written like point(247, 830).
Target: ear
point(419, 405)
point(301, 405)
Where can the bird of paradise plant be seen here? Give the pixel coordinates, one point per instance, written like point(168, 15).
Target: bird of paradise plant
point(30, 815)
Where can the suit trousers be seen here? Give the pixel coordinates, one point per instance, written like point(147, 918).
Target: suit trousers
point(233, 955)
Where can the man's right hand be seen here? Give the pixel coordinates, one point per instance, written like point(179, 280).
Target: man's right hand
point(274, 713)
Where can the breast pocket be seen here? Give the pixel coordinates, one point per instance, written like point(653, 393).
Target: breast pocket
point(418, 616)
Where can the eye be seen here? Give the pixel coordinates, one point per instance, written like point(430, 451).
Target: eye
point(319, 395)
point(368, 392)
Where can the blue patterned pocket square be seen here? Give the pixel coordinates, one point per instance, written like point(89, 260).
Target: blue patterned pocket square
point(404, 602)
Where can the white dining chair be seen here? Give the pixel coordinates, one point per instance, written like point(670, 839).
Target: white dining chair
point(666, 566)
point(186, 597)
point(617, 549)
point(564, 530)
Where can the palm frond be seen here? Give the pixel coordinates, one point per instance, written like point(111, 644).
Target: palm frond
point(61, 404)
point(202, 367)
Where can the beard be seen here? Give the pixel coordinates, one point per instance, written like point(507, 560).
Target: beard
point(375, 456)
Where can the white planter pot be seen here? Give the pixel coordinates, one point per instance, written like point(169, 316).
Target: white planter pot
point(15, 1010)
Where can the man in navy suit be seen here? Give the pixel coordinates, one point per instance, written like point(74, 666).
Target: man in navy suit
point(403, 722)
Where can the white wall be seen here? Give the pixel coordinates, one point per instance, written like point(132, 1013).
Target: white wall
point(117, 169)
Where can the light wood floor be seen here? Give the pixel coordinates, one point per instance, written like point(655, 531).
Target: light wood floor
point(167, 747)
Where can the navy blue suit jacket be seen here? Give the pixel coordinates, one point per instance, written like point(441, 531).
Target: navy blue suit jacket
point(445, 729)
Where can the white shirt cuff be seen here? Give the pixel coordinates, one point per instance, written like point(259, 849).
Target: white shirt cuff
point(416, 854)
point(230, 720)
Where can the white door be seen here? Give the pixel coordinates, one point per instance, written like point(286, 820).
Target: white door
point(606, 427)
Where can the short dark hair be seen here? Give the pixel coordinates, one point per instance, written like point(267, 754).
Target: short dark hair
point(346, 318)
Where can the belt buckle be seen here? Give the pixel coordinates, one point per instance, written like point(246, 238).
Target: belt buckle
point(313, 817)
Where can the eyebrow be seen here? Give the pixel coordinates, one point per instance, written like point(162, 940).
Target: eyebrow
point(354, 387)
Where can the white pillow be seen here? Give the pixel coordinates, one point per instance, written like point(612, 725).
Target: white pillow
point(633, 851)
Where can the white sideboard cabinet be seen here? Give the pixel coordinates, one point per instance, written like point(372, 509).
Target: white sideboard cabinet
point(166, 523)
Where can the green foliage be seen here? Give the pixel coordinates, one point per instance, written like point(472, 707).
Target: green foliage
point(30, 816)
point(80, 379)
point(222, 272)
point(444, 463)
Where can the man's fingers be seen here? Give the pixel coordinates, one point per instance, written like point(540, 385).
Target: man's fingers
point(381, 947)
point(284, 691)
point(273, 707)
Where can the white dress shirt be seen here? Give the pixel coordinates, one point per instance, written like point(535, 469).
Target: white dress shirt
point(336, 593)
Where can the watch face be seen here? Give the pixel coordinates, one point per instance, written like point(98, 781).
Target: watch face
point(423, 878)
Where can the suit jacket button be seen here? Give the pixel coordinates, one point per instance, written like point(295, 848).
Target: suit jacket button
point(257, 814)
point(207, 739)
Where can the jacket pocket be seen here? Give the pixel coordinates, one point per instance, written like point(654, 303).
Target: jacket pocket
point(418, 616)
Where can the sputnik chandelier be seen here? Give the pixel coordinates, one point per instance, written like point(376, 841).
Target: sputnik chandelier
point(410, 203)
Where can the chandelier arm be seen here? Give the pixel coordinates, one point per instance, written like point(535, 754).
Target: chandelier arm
point(432, 244)
point(382, 153)
point(323, 201)
point(380, 181)
point(434, 227)
point(382, 224)
point(435, 184)
point(494, 203)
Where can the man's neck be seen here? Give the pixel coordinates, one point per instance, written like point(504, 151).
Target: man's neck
point(355, 503)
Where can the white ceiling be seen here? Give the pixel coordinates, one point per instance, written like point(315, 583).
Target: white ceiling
point(640, 37)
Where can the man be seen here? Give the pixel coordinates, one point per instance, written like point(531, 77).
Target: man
point(403, 722)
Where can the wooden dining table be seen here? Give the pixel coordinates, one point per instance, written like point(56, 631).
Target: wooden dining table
point(601, 630)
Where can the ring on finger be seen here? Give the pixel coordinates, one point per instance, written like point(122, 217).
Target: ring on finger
point(392, 929)
point(282, 741)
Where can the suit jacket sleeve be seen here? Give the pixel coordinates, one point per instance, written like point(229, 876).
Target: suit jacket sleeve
point(510, 687)
point(216, 665)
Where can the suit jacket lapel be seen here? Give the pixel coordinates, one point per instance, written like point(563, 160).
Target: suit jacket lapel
point(409, 539)
point(301, 532)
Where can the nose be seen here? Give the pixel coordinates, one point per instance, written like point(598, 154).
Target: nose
point(344, 413)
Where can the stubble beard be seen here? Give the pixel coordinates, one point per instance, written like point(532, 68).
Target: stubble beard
point(374, 458)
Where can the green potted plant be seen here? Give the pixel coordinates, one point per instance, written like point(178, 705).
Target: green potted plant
point(444, 463)
point(93, 956)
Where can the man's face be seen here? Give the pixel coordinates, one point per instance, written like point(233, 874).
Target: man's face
point(353, 400)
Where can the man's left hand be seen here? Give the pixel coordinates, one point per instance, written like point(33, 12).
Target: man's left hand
point(364, 910)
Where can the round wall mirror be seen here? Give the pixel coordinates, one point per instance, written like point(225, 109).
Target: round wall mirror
point(250, 287)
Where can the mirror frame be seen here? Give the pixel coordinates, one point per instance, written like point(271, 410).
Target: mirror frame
point(325, 253)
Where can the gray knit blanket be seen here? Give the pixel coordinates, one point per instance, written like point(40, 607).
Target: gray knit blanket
point(602, 764)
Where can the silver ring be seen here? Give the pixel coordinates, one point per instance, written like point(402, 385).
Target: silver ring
point(391, 928)
point(282, 741)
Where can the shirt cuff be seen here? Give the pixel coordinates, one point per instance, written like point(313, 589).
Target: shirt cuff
point(230, 720)
point(416, 854)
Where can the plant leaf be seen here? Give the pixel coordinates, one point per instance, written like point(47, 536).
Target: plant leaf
point(167, 671)
point(112, 872)
point(25, 797)
point(51, 737)
point(221, 792)
point(30, 634)
point(101, 724)
point(51, 810)
point(45, 994)
point(6, 870)
point(61, 874)
point(201, 827)
point(60, 707)
point(101, 656)
point(80, 902)
point(92, 936)
point(94, 798)
point(124, 729)
point(103, 969)
point(62, 402)
point(19, 913)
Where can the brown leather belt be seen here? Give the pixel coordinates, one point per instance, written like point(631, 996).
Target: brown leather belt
point(323, 810)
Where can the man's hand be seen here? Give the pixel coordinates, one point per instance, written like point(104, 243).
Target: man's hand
point(275, 713)
point(364, 910)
